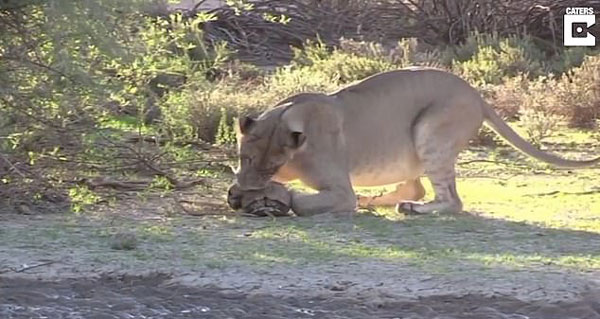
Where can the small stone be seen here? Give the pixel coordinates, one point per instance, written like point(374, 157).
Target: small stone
point(124, 241)
point(25, 210)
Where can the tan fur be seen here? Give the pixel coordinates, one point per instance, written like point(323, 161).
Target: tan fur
point(392, 127)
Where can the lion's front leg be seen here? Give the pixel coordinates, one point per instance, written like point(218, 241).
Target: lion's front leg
point(326, 201)
point(328, 174)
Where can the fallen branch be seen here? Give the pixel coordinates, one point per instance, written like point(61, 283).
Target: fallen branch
point(148, 163)
point(594, 190)
point(494, 162)
point(116, 184)
point(158, 141)
point(179, 203)
point(135, 185)
point(25, 268)
point(12, 166)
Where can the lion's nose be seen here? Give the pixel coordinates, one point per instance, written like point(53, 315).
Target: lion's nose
point(250, 182)
point(234, 197)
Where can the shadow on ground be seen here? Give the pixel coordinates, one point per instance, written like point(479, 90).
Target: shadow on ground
point(156, 297)
point(433, 240)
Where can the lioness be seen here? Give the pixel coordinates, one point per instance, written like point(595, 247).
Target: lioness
point(391, 127)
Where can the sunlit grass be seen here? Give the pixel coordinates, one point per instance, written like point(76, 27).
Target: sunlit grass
point(523, 189)
point(529, 198)
point(532, 260)
point(126, 123)
point(569, 202)
point(516, 216)
point(156, 232)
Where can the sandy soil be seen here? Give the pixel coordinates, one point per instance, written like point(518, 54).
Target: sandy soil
point(156, 296)
point(61, 267)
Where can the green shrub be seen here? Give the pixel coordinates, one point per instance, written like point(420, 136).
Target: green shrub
point(312, 52)
point(507, 98)
point(483, 68)
point(287, 80)
point(337, 64)
point(404, 53)
point(546, 102)
point(491, 62)
point(539, 124)
point(578, 93)
point(225, 131)
point(568, 59)
point(539, 111)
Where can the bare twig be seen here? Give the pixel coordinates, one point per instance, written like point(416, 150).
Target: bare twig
point(43, 66)
point(217, 211)
point(25, 268)
point(432, 21)
point(12, 166)
point(111, 183)
point(158, 141)
point(133, 185)
point(493, 162)
point(149, 163)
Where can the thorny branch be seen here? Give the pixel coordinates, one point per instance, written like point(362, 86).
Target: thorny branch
point(149, 163)
point(432, 21)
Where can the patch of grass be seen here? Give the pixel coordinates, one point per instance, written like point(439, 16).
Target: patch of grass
point(119, 124)
point(156, 232)
point(523, 215)
point(528, 215)
point(81, 197)
point(589, 261)
point(537, 194)
point(550, 201)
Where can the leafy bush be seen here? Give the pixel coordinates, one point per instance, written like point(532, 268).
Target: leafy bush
point(508, 97)
point(170, 48)
point(341, 66)
point(287, 80)
point(225, 131)
point(574, 96)
point(501, 67)
point(494, 59)
point(539, 112)
point(578, 93)
point(569, 58)
point(539, 124)
point(469, 48)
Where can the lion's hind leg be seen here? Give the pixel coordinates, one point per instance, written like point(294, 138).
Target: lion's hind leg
point(446, 197)
point(411, 190)
point(440, 134)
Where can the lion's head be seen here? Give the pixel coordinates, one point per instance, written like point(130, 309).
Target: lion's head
point(265, 144)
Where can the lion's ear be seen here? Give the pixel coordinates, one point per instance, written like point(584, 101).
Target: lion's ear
point(245, 124)
point(297, 140)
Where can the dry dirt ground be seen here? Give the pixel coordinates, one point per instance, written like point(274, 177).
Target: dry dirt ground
point(157, 296)
point(329, 266)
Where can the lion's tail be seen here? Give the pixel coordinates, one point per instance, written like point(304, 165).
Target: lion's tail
point(500, 126)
